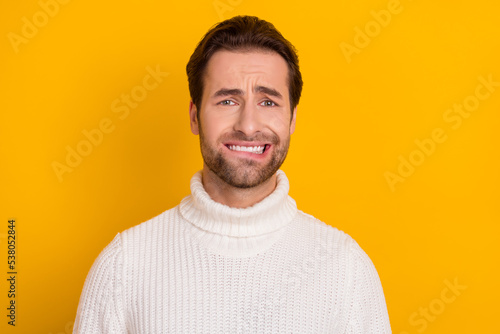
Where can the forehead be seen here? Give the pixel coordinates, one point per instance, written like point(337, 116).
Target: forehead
point(230, 69)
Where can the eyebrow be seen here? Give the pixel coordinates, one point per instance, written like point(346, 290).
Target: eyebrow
point(237, 91)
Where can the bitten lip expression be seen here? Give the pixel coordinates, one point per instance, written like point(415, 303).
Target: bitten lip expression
point(248, 147)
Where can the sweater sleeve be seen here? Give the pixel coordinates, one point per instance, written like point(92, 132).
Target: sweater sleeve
point(100, 309)
point(366, 307)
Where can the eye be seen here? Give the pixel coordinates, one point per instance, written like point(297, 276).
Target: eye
point(226, 103)
point(269, 103)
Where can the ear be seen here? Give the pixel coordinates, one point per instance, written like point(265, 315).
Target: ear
point(292, 123)
point(193, 117)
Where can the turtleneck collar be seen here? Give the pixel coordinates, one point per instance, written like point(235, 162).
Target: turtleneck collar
point(238, 231)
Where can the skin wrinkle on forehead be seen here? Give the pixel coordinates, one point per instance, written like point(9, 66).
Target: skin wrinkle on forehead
point(256, 89)
point(254, 82)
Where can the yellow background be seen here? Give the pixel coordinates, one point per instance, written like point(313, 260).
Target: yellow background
point(357, 115)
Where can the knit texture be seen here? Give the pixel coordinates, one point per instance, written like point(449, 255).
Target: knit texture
point(203, 267)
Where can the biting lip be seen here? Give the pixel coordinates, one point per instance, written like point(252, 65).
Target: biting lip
point(248, 147)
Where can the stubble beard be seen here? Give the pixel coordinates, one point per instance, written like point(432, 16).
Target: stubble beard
point(244, 173)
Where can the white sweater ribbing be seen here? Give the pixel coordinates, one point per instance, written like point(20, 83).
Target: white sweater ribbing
point(203, 267)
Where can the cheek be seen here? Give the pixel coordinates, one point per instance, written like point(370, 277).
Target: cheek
point(280, 124)
point(213, 127)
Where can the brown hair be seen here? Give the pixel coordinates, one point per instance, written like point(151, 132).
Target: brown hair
point(243, 33)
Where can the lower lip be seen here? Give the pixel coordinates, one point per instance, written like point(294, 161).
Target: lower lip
point(249, 154)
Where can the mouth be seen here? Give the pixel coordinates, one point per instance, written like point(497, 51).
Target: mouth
point(255, 149)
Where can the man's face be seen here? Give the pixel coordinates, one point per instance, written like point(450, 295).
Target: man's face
point(245, 121)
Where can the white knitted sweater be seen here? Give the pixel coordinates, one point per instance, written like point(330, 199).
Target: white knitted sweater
point(203, 267)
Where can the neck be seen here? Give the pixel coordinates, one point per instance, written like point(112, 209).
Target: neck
point(234, 197)
point(238, 232)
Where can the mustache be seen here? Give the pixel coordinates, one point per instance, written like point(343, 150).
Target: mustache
point(239, 136)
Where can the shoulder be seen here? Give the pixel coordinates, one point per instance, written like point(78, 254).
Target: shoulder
point(364, 309)
point(315, 228)
point(335, 241)
point(135, 238)
point(101, 305)
point(109, 259)
point(156, 226)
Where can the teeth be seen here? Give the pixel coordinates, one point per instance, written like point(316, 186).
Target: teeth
point(251, 149)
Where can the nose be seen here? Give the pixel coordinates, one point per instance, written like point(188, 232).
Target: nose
point(248, 121)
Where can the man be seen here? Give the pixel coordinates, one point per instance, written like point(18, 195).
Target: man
point(236, 256)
